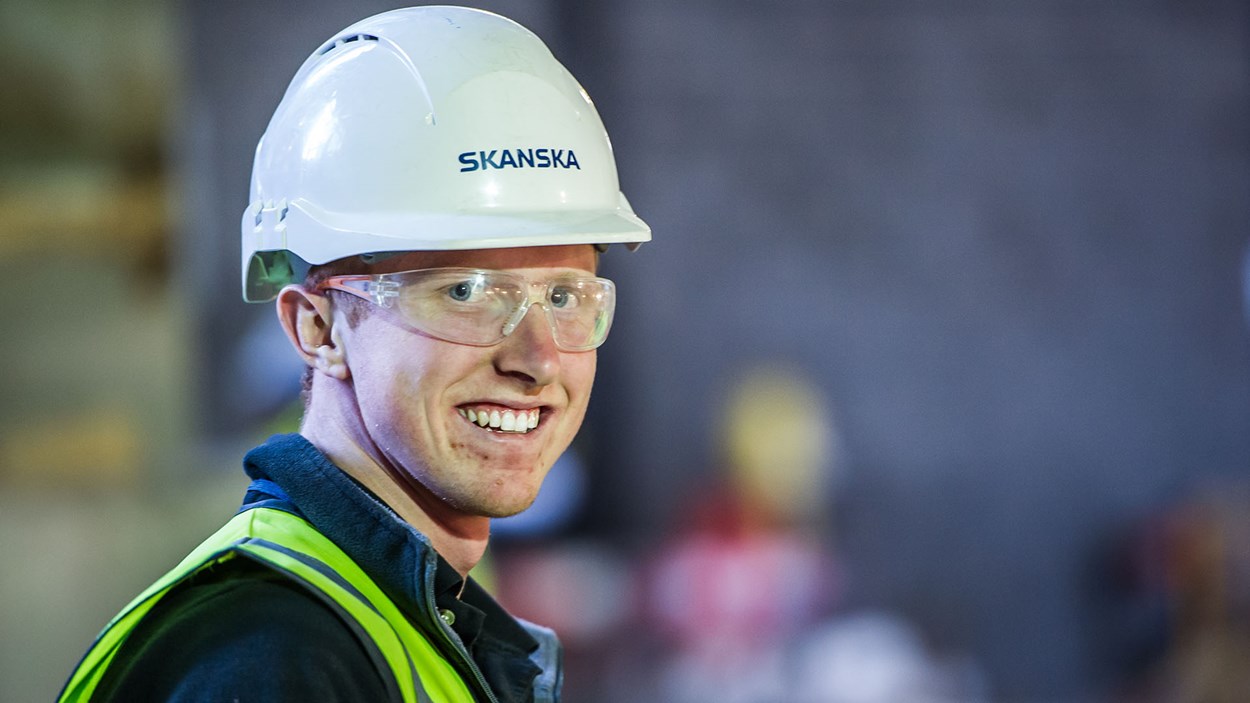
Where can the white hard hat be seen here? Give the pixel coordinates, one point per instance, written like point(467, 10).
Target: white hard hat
point(429, 128)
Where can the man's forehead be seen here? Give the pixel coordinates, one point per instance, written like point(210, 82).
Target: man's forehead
point(582, 257)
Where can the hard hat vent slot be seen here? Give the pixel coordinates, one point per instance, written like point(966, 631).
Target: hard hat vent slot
point(344, 40)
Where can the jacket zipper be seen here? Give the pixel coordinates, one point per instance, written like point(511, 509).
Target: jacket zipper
point(451, 638)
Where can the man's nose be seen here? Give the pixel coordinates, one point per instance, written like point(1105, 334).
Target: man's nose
point(530, 351)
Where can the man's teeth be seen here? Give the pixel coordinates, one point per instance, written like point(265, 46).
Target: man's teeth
point(517, 421)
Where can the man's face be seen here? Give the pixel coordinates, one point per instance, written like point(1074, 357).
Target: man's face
point(413, 391)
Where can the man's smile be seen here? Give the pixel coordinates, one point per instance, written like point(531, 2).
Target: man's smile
point(495, 418)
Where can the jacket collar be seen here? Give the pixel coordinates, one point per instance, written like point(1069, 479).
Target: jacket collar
point(394, 554)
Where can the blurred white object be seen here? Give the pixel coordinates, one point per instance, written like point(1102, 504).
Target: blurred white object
point(877, 658)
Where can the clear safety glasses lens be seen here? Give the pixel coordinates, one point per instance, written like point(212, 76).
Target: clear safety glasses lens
point(480, 307)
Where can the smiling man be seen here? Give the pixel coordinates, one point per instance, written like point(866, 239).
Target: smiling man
point(428, 403)
point(428, 206)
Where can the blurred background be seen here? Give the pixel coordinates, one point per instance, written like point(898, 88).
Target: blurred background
point(933, 386)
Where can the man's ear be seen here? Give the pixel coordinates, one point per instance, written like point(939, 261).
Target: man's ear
point(308, 320)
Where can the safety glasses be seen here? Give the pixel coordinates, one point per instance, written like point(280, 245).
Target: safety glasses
point(481, 307)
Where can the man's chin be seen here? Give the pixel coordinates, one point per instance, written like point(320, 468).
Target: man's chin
point(507, 511)
point(493, 506)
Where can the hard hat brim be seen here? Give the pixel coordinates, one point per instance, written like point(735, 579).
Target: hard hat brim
point(318, 237)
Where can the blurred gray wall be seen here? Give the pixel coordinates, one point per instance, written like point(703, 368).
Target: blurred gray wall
point(1006, 238)
point(1003, 236)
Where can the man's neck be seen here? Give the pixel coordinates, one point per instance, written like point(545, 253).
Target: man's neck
point(458, 537)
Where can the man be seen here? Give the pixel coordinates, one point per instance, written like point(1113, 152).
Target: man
point(428, 205)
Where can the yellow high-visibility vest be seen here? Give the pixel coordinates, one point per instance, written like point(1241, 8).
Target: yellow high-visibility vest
point(289, 544)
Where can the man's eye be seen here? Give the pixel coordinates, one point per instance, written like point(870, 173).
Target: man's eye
point(462, 291)
point(563, 298)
